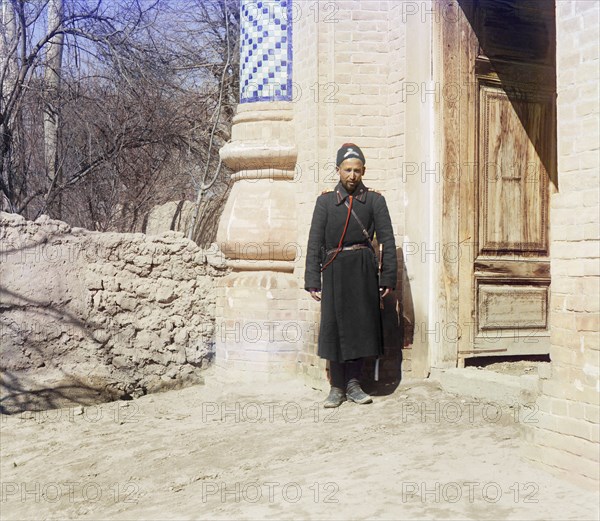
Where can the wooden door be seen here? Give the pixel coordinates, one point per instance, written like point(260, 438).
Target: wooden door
point(503, 56)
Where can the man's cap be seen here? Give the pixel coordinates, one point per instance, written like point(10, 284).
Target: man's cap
point(349, 151)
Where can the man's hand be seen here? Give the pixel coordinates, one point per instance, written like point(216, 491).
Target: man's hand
point(315, 293)
point(384, 291)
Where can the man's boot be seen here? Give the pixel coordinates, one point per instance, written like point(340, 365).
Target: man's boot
point(335, 399)
point(355, 393)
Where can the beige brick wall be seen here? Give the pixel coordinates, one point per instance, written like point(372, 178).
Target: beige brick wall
point(348, 71)
point(308, 137)
point(566, 436)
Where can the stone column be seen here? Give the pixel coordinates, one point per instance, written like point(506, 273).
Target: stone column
point(256, 326)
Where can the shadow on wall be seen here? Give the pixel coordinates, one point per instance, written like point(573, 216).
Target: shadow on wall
point(23, 361)
point(20, 393)
point(84, 319)
point(398, 331)
point(59, 360)
point(519, 40)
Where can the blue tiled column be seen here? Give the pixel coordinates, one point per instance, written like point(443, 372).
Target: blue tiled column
point(257, 302)
point(266, 51)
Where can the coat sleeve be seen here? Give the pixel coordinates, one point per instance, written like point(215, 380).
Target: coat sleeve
point(316, 242)
point(385, 236)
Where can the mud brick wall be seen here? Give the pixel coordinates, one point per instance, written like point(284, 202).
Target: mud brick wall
point(89, 315)
point(567, 434)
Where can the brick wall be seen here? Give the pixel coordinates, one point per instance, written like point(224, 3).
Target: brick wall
point(306, 114)
point(566, 436)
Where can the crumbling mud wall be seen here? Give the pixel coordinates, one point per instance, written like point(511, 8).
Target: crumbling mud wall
point(88, 316)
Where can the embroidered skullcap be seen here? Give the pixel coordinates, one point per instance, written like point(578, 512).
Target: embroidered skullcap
point(349, 151)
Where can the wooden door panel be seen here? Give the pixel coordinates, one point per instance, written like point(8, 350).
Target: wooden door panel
point(513, 180)
point(508, 306)
point(507, 129)
point(511, 268)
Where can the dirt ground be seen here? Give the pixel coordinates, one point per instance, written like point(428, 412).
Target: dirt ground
point(233, 451)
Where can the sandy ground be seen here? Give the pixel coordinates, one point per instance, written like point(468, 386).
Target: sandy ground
point(223, 451)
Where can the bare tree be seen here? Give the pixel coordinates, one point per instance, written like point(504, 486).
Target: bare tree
point(52, 74)
point(8, 77)
point(128, 115)
point(25, 52)
point(204, 185)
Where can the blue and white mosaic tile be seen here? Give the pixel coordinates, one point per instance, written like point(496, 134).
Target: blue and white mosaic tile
point(266, 51)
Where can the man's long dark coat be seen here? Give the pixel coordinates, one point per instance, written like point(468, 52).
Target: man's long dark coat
point(350, 315)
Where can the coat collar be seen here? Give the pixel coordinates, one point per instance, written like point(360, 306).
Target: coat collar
point(360, 193)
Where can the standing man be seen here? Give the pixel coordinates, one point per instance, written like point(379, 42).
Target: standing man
point(340, 250)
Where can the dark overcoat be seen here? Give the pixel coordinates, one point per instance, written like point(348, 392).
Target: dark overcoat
point(350, 314)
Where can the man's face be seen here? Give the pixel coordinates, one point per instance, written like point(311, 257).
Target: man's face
point(351, 172)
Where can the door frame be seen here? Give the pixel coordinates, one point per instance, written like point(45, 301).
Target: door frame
point(456, 49)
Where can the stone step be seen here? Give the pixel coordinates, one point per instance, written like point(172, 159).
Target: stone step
point(489, 386)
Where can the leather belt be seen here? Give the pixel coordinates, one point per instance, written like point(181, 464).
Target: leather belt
point(349, 248)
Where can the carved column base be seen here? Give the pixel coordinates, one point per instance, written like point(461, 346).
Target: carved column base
point(257, 332)
point(257, 329)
